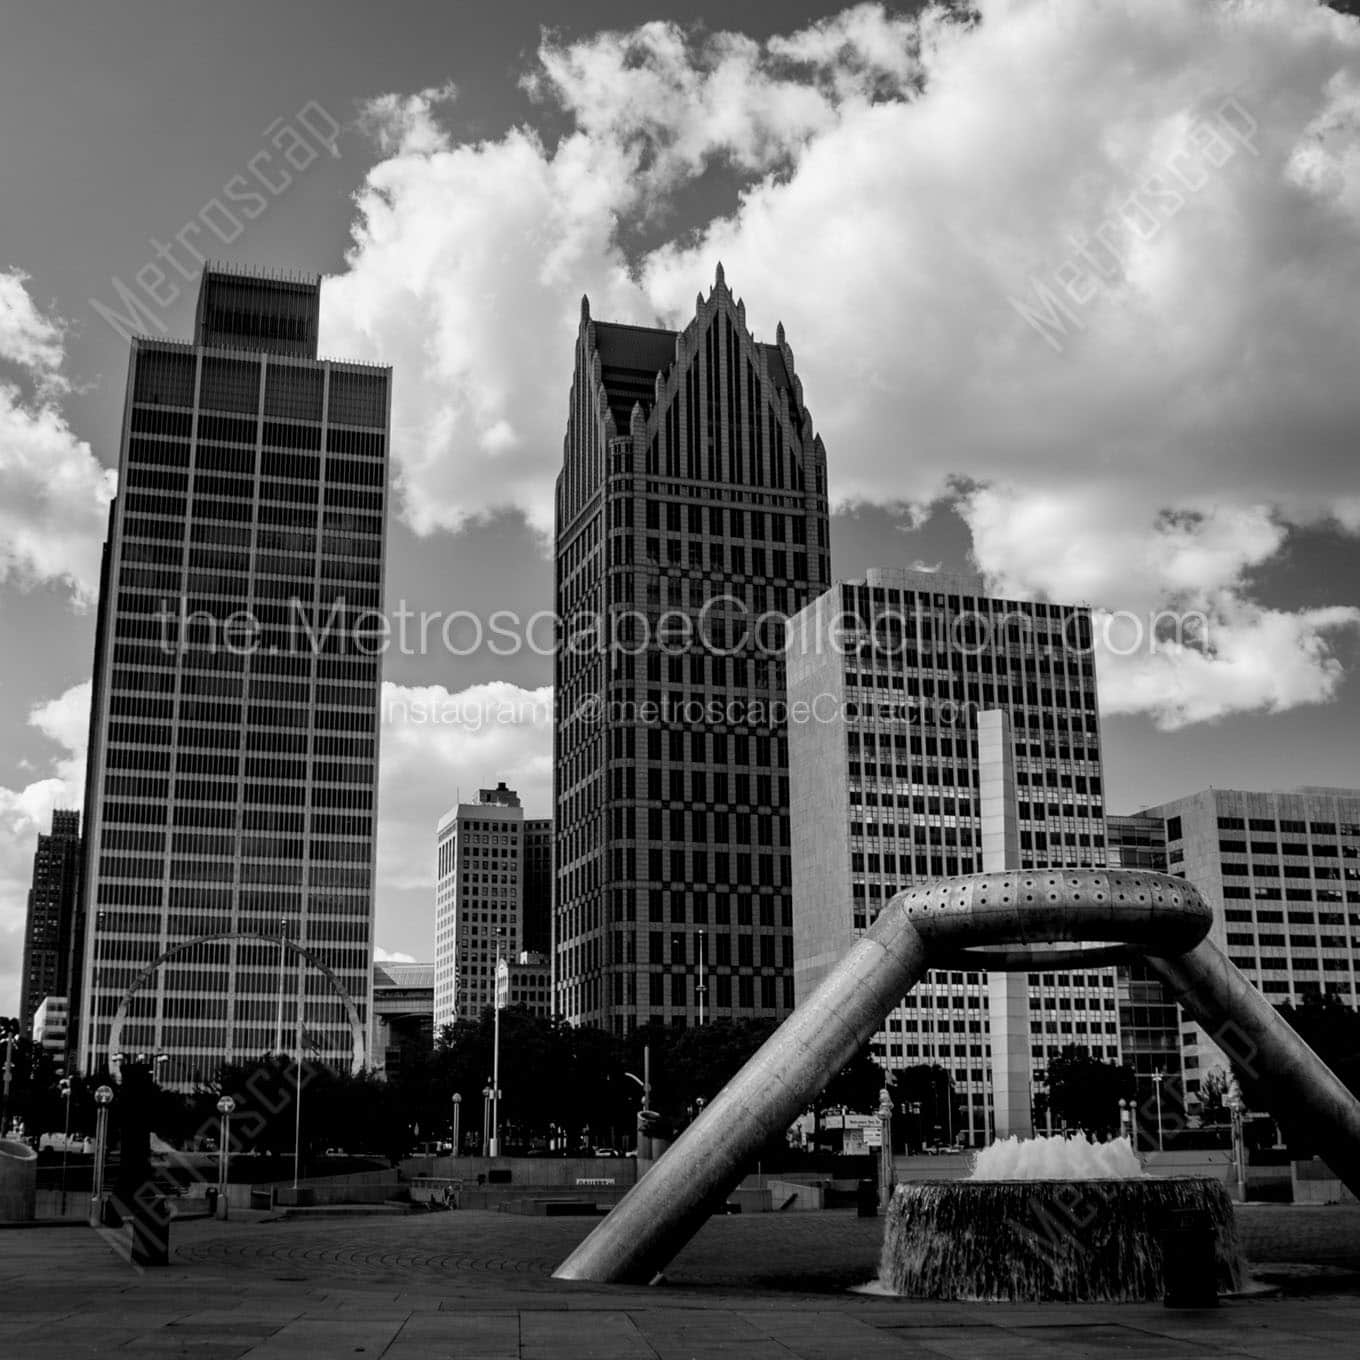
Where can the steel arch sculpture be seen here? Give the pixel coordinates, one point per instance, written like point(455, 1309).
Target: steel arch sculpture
point(358, 1046)
point(1013, 921)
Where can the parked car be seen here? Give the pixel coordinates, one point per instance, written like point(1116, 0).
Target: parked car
point(606, 1152)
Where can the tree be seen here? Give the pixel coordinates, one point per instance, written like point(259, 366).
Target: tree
point(32, 1092)
point(1332, 1030)
point(1084, 1093)
point(926, 1094)
point(556, 1079)
point(695, 1063)
point(1213, 1092)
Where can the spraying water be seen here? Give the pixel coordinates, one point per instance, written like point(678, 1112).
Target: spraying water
point(1074, 1157)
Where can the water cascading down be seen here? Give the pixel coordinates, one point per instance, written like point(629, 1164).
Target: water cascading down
point(1049, 1220)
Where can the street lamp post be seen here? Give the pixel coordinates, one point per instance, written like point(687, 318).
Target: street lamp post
point(1157, 1086)
point(502, 988)
point(9, 1077)
point(102, 1097)
point(1237, 1108)
point(278, 1020)
point(65, 1086)
point(297, 1081)
point(457, 1116)
point(224, 1107)
point(885, 1158)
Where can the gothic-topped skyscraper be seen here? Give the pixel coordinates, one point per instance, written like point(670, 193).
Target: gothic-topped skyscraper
point(691, 518)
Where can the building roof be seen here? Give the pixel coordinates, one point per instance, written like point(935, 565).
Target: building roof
point(646, 349)
point(390, 975)
point(632, 356)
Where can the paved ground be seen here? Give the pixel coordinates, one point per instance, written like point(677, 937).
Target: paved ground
point(476, 1286)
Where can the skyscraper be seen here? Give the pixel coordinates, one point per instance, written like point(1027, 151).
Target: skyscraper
point(489, 857)
point(691, 518)
point(232, 768)
point(51, 907)
point(1282, 873)
point(903, 690)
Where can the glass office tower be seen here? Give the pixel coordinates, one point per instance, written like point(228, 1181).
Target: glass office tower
point(232, 771)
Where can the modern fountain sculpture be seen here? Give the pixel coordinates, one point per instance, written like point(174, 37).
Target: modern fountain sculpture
point(1015, 921)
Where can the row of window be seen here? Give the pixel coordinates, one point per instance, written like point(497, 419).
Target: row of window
point(229, 384)
point(1286, 826)
point(1298, 849)
point(1236, 892)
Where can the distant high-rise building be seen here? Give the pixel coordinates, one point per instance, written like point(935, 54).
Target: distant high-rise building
point(233, 758)
point(891, 683)
point(485, 851)
point(530, 984)
point(51, 910)
point(1282, 873)
point(691, 518)
point(49, 1028)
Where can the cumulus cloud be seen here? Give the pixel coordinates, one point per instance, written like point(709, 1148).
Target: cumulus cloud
point(1083, 273)
point(440, 746)
point(27, 337)
point(54, 493)
point(469, 259)
point(381, 955)
point(26, 812)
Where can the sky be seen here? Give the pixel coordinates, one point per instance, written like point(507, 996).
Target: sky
point(1071, 290)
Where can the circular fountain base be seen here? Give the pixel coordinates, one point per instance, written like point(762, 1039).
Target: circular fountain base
point(1069, 1241)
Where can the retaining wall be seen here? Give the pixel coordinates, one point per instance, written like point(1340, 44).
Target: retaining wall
point(1316, 1183)
point(549, 1173)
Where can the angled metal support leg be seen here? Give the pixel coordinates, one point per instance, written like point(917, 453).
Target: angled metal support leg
point(694, 1177)
point(1280, 1072)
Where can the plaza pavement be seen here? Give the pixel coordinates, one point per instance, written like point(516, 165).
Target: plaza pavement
point(475, 1286)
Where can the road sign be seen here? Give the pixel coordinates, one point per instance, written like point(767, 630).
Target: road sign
point(859, 1121)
